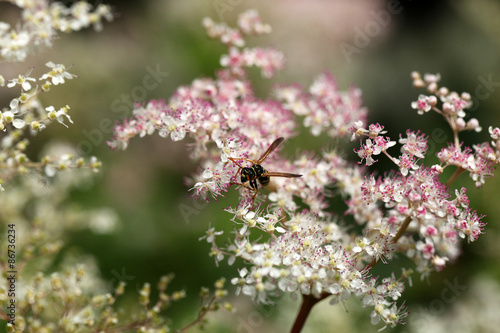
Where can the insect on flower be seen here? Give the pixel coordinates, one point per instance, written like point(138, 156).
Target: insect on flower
point(257, 172)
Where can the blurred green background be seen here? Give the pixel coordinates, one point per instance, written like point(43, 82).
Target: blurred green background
point(145, 184)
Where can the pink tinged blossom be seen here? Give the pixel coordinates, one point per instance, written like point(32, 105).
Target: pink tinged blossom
point(495, 135)
point(317, 121)
point(439, 262)
point(429, 231)
point(451, 210)
point(402, 209)
point(469, 226)
point(423, 104)
point(369, 189)
point(473, 125)
point(227, 148)
point(392, 220)
point(451, 234)
point(378, 250)
point(414, 144)
point(250, 23)
point(356, 129)
point(478, 166)
point(437, 169)
point(426, 248)
point(390, 287)
point(361, 245)
point(460, 124)
point(383, 143)
point(306, 254)
point(406, 163)
point(366, 151)
point(268, 60)
point(174, 127)
point(422, 212)
point(326, 108)
point(292, 99)
point(417, 80)
point(391, 192)
point(212, 181)
point(226, 35)
point(446, 154)
point(415, 198)
point(431, 81)
point(458, 105)
point(494, 132)
point(448, 108)
point(325, 86)
point(235, 59)
point(375, 130)
point(453, 103)
point(466, 96)
point(232, 37)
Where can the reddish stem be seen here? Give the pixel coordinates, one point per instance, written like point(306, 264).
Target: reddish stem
point(308, 301)
point(454, 177)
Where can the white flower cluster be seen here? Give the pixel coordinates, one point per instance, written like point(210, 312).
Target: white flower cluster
point(297, 239)
point(26, 113)
point(42, 20)
point(25, 116)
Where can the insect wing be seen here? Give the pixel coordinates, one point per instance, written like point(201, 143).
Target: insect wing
point(281, 174)
point(270, 149)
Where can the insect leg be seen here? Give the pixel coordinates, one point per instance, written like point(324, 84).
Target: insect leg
point(255, 194)
point(241, 159)
point(234, 161)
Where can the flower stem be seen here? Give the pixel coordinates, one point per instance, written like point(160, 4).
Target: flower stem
point(308, 301)
point(400, 233)
point(454, 177)
point(401, 230)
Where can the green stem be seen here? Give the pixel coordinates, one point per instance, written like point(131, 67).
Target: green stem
point(201, 315)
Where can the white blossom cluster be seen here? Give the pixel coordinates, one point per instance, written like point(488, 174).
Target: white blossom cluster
point(40, 23)
point(294, 239)
point(52, 293)
point(25, 116)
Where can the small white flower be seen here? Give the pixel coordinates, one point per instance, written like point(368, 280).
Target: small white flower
point(58, 115)
point(210, 235)
point(174, 127)
point(58, 74)
point(8, 116)
point(227, 148)
point(18, 123)
point(207, 174)
point(23, 81)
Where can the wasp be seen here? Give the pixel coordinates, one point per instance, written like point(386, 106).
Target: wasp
point(256, 172)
